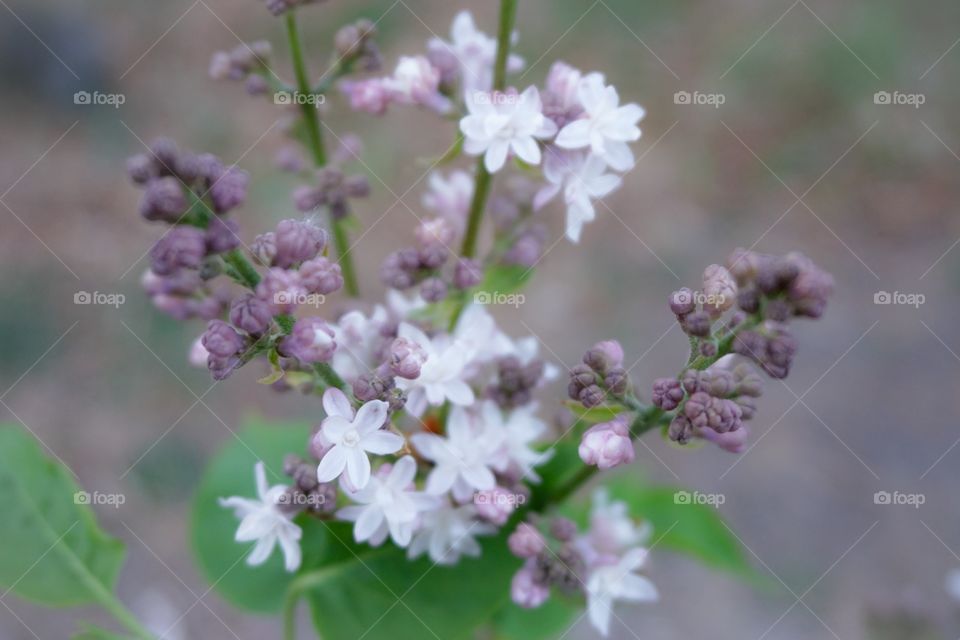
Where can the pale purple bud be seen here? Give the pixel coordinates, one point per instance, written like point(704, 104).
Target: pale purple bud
point(307, 198)
point(697, 324)
point(592, 396)
point(165, 152)
point(220, 66)
point(264, 248)
point(198, 353)
point(467, 274)
point(289, 158)
point(222, 235)
point(298, 241)
point(563, 529)
point(176, 307)
point(495, 505)
point(433, 255)
point(251, 314)
point(406, 358)
point(732, 441)
point(435, 231)
point(209, 308)
point(607, 445)
point(604, 355)
point(222, 340)
point(281, 289)
point(667, 393)
point(222, 368)
point(140, 168)
point(719, 290)
point(321, 275)
point(356, 186)
point(256, 85)
point(681, 302)
point(229, 190)
point(433, 289)
point(311, 341)
point(368, 96)
point(525, 591)
point(163, 199)
point(180, 247)
point(526, 541)
point(680, 429)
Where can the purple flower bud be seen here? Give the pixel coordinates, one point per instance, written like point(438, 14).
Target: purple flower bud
point(732, 441)
point(667, 393)
point(433, 289)
point(396, 271)
point(140, 168)
point(321, 275)
point(229, 190)
point(264, 248)
point(356, 186)
point(749, 300)
point(742, 265)
point(707, 412)
point(563, 529)
point(592, 396)
point(604, 355)
point(251, 314)
point(495, 505)
point(180, 247)
point(697, 324)
point(406, 358)
point(177, 307)
point(223, 235)
point(222, 368)
point(165, 152)
point(525, 591)
point(680, 429)
point(373, 385)
point(616, 381)
point(307, 198)
point(681, 302)
point(526, 251)
point(289, 159)
point(163, 199)
point(310, 341)
point(222, 340)
point(719, 290)
point(607, 444)
point(256, 85)
point(298, 241)
point(526, 541)
point(467, 274)
point(777, 310)
point(281, 289)
point(433, 255)
point(708, 349)
point(811, 288)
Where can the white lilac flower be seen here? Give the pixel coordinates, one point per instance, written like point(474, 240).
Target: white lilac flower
point(475, 53)
point(466, 459)
point(449, 197)
point(612, 530)
point(441, 375)
point(351, 436)
point(478, 334)
point(605, 127)
point(360, 339)
point(608, 583)
point(447, 533)
point(519, 430)
point(262, 520)
point(388, 505)
point(582, 178)
point(416, 81)
point(499, 124)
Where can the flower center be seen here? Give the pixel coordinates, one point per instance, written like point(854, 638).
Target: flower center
point(351, 438)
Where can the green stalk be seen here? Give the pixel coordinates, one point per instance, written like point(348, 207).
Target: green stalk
point(311, 118)
point(483, 181)
point(329, 376)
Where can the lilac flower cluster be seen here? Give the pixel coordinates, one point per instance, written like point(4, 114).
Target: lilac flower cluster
point(601, 563)
point(247, 63)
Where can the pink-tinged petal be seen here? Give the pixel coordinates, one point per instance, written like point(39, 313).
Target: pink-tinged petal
point(575, 135)
point(459, 393)
point(332, 464)
point(463, 27)
point(545, 195)
point(334, 427)
point(441, 479)
point(367, 524)
point(618, 155)
point(427, 445)
point(403, 472)
point(638, 589)
point(527, 150)
point(591, 92)
point(291, 553)
point(262, 550)
point(351, 513)
point(358, 467)
point(604, 185)
point(479, 477)
point(496, 155)
point(382, 442)
point(336, 403)
point(371, 417)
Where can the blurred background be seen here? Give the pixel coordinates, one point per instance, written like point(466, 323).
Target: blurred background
point(801, 154)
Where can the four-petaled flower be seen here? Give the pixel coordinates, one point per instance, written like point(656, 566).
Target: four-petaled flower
point(263, 521)
point(617, 581)
point(582, 178)
point(351, 436)
point(606, 127)
point(448, 533)
point(441, 375)
point(502, 123)
point(389, 505)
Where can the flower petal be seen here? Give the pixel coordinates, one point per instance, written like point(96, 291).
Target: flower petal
point(358, 467)
point(575, 135)
point(291, 553)
point(441, 479)
point(526, 149)
point(638, 589)
point(382, 442)
point(496, 155)
point(479, 476)
point(262, 550)
point(336, 403)
point(368, 522)
point(459, 393)
point(403, 472)
point(618, 155)
point(332, 464)
point(371, 417)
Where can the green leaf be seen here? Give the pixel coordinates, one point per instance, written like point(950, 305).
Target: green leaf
point(594, 415)
point(212, 528)
point(92, 632)
point(381, 595)
point(53, 551)
point(505, 279)
point(549, 620)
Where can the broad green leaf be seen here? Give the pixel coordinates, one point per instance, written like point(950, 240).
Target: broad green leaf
point(53, 551)
point(550, 620)
point(381, 595)
point(594, 415)
point(504, 279)
point(212, 528)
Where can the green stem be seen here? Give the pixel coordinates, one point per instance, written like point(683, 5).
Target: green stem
point(241, 268)
point(311, 118)
point(483, 182)
point(329, 376)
